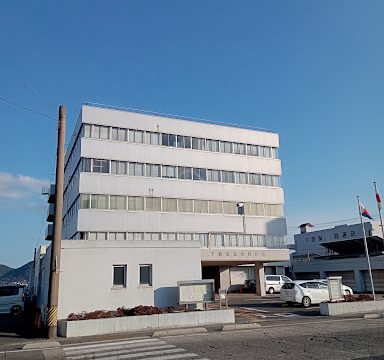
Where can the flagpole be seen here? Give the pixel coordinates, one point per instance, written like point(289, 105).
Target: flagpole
point(366, 249)
point(379, 207)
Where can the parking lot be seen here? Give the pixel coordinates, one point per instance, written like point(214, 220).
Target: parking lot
point(254, 308)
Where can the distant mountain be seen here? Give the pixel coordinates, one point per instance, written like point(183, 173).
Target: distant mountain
point(19, 275)
point(4, 269)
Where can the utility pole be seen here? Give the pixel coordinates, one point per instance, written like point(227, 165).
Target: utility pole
point(53, 294)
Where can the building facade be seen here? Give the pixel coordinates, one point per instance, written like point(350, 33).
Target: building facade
point(340, 251)
point(151, 190)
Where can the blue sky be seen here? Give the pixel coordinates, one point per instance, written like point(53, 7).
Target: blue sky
point(310, 70)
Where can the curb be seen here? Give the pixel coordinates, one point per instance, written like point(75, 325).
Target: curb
point(233, 327)
point(198, 330)
point(40, 345)
point(373, 316)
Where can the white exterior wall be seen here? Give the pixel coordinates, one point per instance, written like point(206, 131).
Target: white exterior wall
point(104, 220)
point(86, 277)
point(310, 242)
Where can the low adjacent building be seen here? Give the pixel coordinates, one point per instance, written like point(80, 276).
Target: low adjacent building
point(340, 251)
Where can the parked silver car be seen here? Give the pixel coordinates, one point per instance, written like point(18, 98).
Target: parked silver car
point(12, 299)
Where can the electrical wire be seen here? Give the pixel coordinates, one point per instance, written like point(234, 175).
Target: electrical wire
point(23, 79)
point(25, 108)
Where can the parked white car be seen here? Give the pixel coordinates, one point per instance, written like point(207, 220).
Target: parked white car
point(273, 283)
point(12, 299)
point(346, 289)
point(307, 292)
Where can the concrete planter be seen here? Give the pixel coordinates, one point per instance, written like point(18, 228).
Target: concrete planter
point(357, 307)
point(144, 322)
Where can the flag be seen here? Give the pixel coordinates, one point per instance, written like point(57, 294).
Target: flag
point(364, 212)
point(378, 199)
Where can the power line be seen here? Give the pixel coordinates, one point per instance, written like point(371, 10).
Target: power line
point(25, 108)
point(23, 79)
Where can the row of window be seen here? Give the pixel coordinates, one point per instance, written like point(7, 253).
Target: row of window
point(205, 239)
point(140, 203)
point(116, 167)
point(180, 141)
point(120, 275)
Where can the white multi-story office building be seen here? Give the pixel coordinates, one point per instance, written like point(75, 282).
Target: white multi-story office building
point(150, 200)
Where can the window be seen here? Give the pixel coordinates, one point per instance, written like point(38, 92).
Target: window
point(119, 167)
point(153, 170)
point(99, 201)
point(136, 169)
point(255, 179)
point(180, 141)
point(136, 136)
point(226, 147)
point(228, 176)
point(169, 204)
point(241, 178)
point(86, 165)
point(198, 144)
point(229, 207)
point(118, 202)
point(169, 236)
point(172, 140)
point(239, 148)
point(100, 132)
point(145, 275)
point(152, 236)
point(217, 239)
point(9, 291)
point(119, 134)
point(119, 275)
point(152, 204)
point(214, 175)
point(135, 203)
point(185, 205)
point(201, 206)
point(168, 140)
point(185, 237)
point(253, 150)
point(183, 141)
point(101, 236)
point(267, 180)
point(274, 153)
point(100, 166)
point(87, 130)
point(184, 172)
point(215, 207)
point(199, 174)
point(202, 238)
point(275, 181)
point(164, 139)
point(212, 145)
point(169, 171)
point(116, 236)
point(84, 201)
point(265, 151)
point(152, 138)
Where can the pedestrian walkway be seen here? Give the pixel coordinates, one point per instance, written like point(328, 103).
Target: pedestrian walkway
point(144, 348)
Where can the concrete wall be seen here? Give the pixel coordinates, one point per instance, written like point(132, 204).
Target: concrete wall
point(86, 278)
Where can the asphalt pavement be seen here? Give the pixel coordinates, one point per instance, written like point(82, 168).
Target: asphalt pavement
point(254, 315)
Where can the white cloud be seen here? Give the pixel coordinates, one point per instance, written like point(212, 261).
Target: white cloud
point(20, 187)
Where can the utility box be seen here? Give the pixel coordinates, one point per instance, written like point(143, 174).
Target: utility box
point(335, 288)
point(196, 291)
